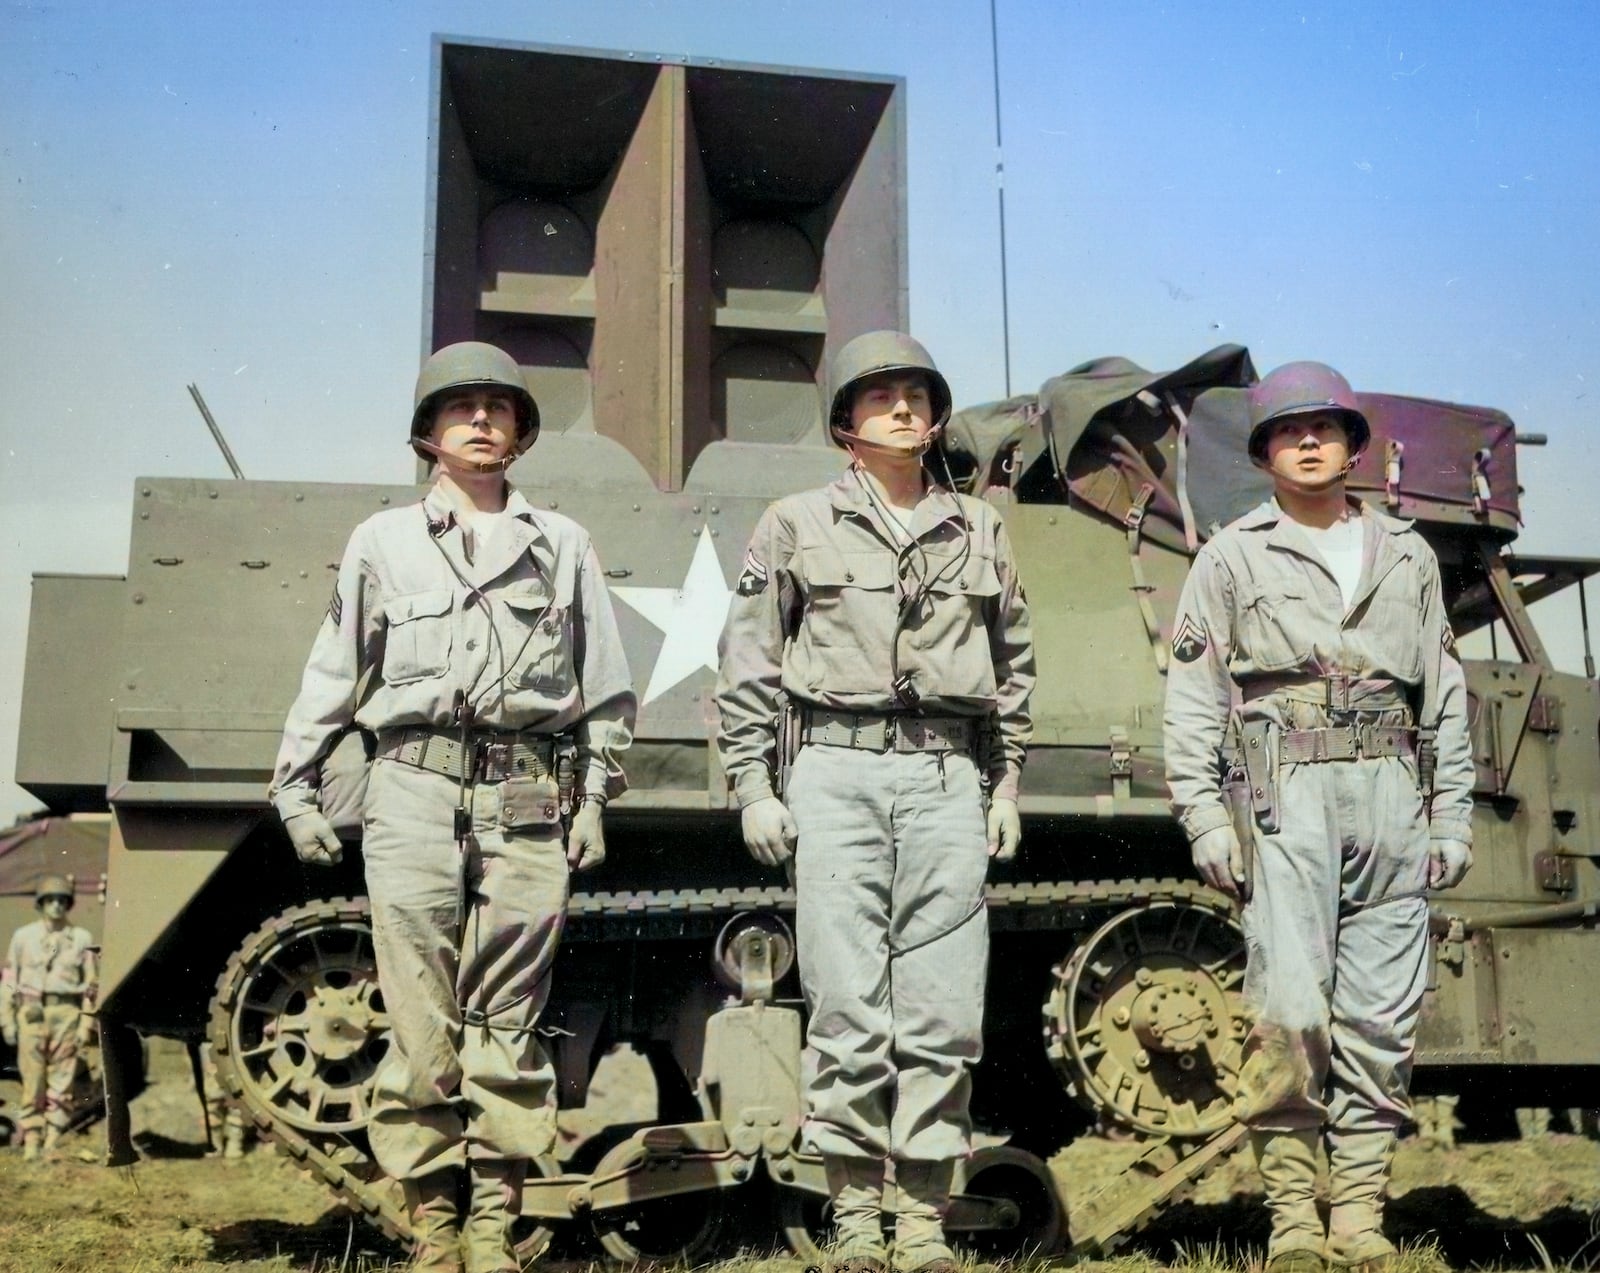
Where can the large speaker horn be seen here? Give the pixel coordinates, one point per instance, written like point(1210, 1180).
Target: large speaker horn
point(671, 251)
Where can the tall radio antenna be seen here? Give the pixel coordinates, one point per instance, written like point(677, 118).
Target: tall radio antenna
point(1000, 189)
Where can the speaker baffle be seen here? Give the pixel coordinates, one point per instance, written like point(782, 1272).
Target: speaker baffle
point(535, 256)
point(768, 267)
point(554, 357)
point(764, 392)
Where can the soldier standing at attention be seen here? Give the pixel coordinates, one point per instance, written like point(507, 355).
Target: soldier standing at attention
point(887, 609)
point(46, 991)
point(475, 637)
point(1326, 619)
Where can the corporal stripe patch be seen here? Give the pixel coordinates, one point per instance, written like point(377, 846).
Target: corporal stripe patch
point(753, 578)
point(336, 606)
point(1189, 641)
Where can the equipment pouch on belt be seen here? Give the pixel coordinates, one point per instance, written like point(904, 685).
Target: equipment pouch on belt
point(1427, 757)
point(986, 755)
point(529, 802)
point(787, 727)
point(1258, 749)
point(1236, 799)
point(564, 751)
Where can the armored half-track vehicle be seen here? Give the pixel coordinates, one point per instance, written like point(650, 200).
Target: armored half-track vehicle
point(672, 250)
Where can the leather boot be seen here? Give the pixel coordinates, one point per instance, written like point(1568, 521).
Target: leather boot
point(1288, 1165)
point(30, 1144)
point(52, 1143)
point(922, 1199)
point(496, 1200)
point(1358, 1172)
point(856, 1185)
point(435, 1222)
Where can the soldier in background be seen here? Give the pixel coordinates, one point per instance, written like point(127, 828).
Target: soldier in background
point(47, 989)
point(1326, 620)
point(224, 1120)
point(474, 636)
point(888, 610)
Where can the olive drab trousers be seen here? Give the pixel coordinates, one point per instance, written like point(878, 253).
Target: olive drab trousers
point(893, 948)
point(47, 1060)
point(465, 1077)
point(1337, 936)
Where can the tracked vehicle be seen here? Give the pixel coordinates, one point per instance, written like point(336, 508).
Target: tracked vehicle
point(672, 250)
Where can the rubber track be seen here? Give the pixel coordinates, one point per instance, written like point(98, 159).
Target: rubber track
point(380, 1207)
point(693, 913)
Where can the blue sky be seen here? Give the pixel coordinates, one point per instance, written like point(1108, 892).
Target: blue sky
point(234, 195)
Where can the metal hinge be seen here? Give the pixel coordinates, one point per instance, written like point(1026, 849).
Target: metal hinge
point(1544, 714)
point(1121, 764)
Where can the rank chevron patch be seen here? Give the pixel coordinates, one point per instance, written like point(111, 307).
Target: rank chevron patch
point(1189, 641)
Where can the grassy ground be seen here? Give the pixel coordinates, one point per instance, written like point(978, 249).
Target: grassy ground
point(262, 1214)
point(1528, 1205)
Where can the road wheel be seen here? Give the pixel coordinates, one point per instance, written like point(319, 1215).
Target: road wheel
point(679, 1230)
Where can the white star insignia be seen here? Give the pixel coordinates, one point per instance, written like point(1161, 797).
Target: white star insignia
point(690, 618)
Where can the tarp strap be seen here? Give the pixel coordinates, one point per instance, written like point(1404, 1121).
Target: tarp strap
point(1134, 521)
point(1393, 459)
point(1480, 481)
point(1191, 536)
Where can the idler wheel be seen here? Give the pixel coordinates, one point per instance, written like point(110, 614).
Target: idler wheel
point(299, 1017)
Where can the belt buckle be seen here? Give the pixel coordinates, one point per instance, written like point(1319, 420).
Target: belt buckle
point(1337, 692)
point(495, 756)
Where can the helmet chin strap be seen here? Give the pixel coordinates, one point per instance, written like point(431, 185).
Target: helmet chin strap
point(449, 461)
point(847, 438)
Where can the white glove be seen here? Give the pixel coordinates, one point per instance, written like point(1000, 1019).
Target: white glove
point(1220, 860)
point(1448, 861)
point(586, 840)
point(1005, 829)
point(769, 831)
point(313, 838)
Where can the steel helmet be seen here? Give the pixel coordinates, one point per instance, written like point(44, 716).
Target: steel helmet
point(1300, 388)
point(52, 886)
point(473, 364)
point(875, 352)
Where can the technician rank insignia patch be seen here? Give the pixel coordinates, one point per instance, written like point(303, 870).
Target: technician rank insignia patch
point(1447, 639)
point(1189, 641)
point(336, 606)
point(753, 578)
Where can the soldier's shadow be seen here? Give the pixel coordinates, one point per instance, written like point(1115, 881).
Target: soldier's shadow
point(1473, 1238)
point(155, 1145)
point(330, 1236)
point(1467, 1236)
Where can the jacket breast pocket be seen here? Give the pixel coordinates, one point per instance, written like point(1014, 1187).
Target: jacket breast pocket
point(1276, 629)
point(949, 631)
point(844, 593)
point(541, 640)
point(1392, 628)
point(417, 645)
point(971, 577)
